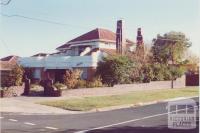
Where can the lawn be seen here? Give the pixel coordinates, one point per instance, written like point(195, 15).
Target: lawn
point(89, 103)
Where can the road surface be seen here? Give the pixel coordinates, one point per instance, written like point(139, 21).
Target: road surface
point(150, 118)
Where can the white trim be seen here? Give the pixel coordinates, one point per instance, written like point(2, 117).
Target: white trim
point(61, 62)
point(71, 44)
point(93, 40)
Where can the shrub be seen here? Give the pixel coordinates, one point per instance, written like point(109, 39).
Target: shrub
point(114, 69)
point(59, 86)
point(158, 71)
point(71, 78)
point(95, 82)
point(164, 72)
point(147, 73)
point(81, 84)
point(13, 77)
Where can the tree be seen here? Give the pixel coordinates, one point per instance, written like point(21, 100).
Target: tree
point(115, 69)
point(169, 50)
point(142, 71)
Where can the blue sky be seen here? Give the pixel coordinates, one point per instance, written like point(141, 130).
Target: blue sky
point(25, 37)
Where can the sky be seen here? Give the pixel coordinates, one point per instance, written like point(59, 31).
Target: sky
point(63, 20)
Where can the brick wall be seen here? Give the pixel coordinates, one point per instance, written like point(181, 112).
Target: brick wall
point(178, 83)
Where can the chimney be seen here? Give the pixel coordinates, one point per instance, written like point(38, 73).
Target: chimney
point(119, 37)
point(140, 51)
point(139, 37)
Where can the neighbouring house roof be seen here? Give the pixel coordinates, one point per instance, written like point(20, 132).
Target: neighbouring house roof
point(96, 34)
point(7, 63)
point(9, 58)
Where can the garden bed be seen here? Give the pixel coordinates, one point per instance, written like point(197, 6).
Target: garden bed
point(11, 91)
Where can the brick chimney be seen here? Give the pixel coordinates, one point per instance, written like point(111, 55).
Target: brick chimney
point(140, 52)
point(139, 37)
point(120, 37)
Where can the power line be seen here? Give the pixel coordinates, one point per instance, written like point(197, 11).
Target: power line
point(5, 3)
point(42, 20)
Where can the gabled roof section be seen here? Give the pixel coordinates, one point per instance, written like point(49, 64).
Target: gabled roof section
point(6, 58)
point(9, 58)
point(96, 34)
point(8, 63)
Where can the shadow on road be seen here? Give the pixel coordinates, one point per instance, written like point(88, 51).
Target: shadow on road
point(127, 129)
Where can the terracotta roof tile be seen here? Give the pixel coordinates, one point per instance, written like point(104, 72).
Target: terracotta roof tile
point(96, 34)
point(8, 63)
point(8, 58)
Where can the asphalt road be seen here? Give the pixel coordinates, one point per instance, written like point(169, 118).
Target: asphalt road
point(150, 118)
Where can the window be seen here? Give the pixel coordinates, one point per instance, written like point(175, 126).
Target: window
point(37, 74)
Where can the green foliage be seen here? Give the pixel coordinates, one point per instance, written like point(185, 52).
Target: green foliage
point(147, 73)
point(170, 47)
point(115, 69)
point(176, 71)
point(95, 82)
point(13, 77)
point(163, 72)
point(71, 77)
point(160, 72)
point(136, 74)
point(168, 55)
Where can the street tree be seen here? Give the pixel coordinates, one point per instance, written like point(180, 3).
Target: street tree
point(169, 50)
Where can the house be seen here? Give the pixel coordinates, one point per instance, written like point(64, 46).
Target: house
point(6, 65)
point(83, 52)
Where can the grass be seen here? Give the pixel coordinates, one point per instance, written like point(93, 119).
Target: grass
point(89, 103)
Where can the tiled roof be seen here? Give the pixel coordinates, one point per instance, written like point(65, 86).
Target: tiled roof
point(8, 58)
point(7, 63)
point(96, 34)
